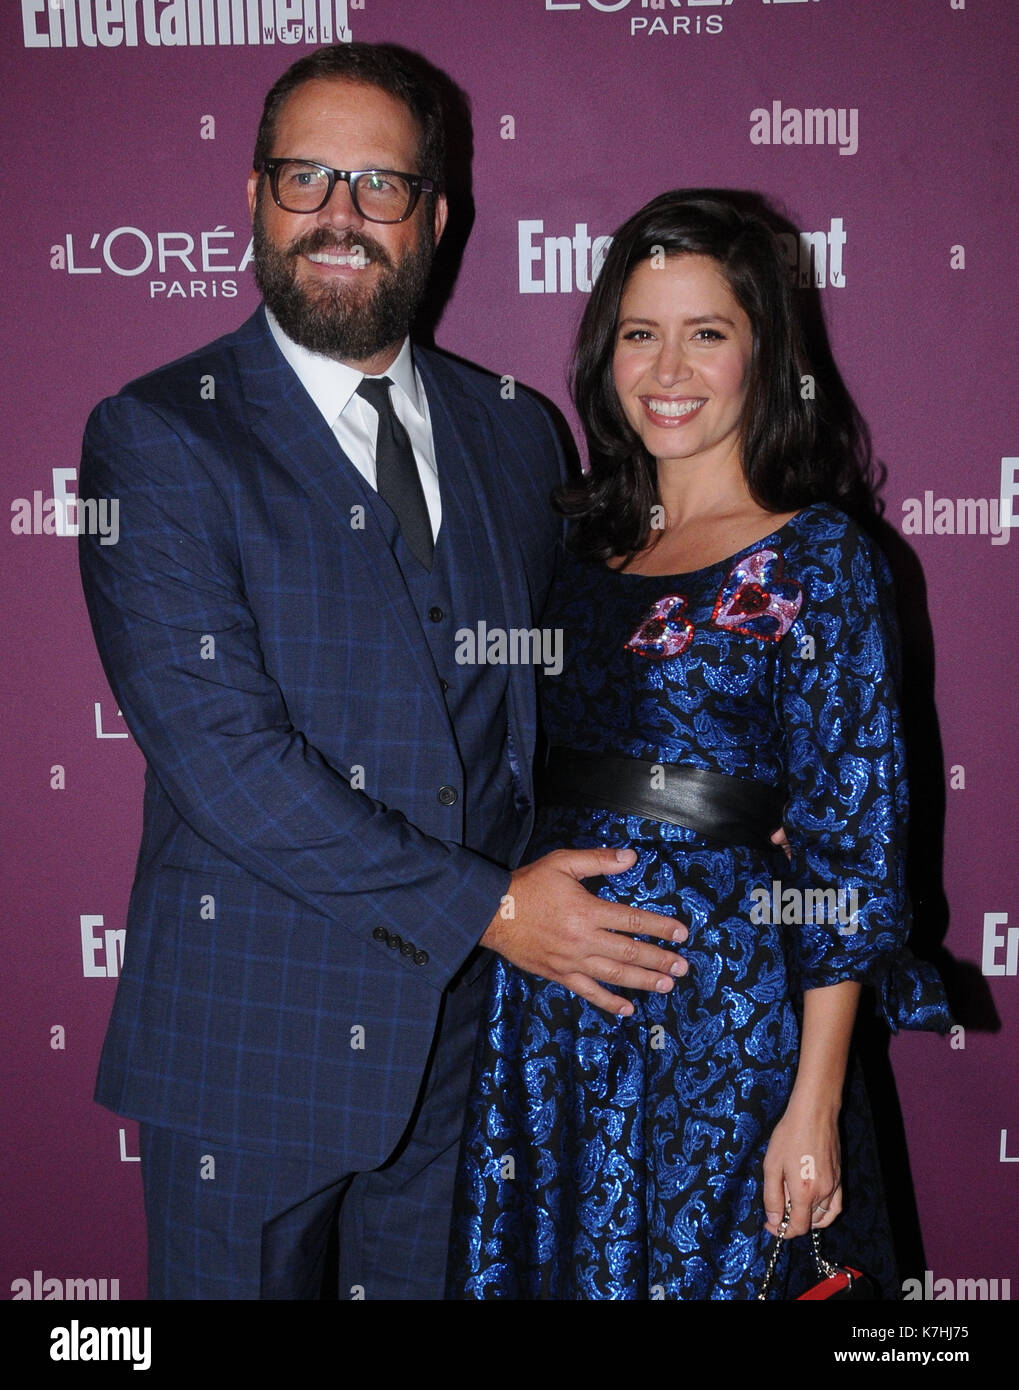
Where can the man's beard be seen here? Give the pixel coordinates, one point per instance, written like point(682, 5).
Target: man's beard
point(342, 320)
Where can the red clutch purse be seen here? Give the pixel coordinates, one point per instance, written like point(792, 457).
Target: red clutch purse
point(839, 1281)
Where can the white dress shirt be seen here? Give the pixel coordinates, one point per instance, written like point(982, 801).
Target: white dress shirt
point(333, 387)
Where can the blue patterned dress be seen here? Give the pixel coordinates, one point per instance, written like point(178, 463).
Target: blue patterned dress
point(609, 1158)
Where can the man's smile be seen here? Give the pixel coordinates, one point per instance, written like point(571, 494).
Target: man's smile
point(351, 260)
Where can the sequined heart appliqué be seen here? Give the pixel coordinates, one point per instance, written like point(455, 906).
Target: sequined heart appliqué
point(756, 601)
point(663, 631)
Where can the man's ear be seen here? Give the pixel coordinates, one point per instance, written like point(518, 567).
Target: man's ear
point(253, 179)
point(441, 214)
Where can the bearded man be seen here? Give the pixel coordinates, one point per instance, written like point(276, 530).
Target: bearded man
point(332, 800)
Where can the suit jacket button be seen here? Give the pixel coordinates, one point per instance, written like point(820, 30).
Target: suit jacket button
point(448, 795)
point(435, 614)
point(407, 949)
point(380, 934)
point(420, 957)
point(395, 941)
point(443, 686)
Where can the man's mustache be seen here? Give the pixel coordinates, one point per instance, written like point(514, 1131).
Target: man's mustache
point(325, 240)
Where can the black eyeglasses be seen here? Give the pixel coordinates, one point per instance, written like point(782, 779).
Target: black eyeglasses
point(379, 195)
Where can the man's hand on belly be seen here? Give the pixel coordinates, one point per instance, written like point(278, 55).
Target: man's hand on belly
point(562, 932)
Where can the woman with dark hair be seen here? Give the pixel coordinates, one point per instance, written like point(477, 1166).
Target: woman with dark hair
point(729, 668)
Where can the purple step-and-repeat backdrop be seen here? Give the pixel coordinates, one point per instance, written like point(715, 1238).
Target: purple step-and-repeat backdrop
point(882, 129)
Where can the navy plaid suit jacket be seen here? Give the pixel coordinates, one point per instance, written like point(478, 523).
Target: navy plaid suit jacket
point(260, 640)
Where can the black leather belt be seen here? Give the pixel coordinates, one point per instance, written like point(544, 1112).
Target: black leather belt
point(731, 810)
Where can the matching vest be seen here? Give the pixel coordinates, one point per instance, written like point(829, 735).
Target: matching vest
point(447, 599)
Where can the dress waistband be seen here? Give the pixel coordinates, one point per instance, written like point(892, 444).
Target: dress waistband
point(731, 810)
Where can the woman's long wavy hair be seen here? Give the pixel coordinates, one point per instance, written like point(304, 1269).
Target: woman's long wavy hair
point(793, 450)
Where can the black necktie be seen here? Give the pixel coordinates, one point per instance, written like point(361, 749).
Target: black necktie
point(396, 472)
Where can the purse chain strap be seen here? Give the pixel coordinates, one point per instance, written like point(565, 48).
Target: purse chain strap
point(824, 1267)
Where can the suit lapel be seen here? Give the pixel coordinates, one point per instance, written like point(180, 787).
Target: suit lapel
point(464, 443)
point(291, 427)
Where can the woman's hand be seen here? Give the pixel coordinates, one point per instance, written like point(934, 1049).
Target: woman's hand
point(779, 840)
point(803, 1163)
point(802, 1168)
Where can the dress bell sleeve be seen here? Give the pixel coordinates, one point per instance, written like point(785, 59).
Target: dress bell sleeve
point(847, 809)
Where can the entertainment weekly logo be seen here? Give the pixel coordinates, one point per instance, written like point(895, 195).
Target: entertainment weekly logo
point(664, 18)
point(561, 264)
point(184, 23)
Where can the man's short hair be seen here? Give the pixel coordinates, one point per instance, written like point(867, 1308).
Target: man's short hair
point(394, 70)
